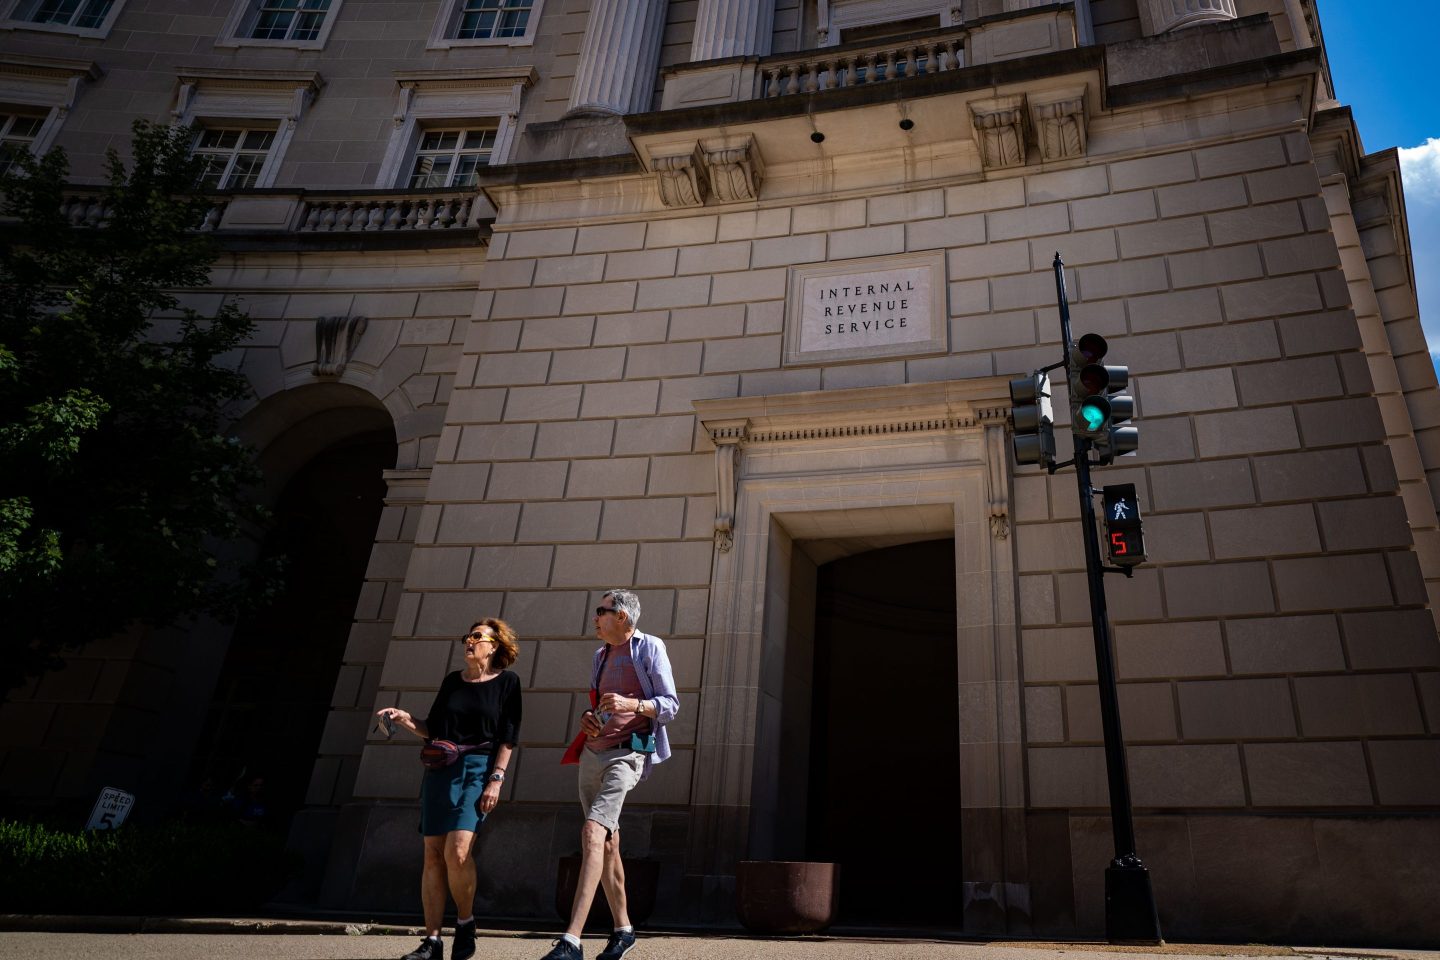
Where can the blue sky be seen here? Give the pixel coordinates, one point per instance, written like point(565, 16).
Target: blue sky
point(1382, 58)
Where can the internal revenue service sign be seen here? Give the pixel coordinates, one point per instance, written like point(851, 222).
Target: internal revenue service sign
point(862, 309)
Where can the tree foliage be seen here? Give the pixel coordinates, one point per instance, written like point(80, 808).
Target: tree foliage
point(118, 484)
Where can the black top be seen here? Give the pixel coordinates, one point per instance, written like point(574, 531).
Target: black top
point(474, 713)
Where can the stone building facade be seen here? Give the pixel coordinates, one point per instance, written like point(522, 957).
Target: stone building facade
point(592, 243)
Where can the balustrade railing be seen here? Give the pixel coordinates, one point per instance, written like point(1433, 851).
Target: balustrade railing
point(831, 69)
point(394, 212)
point(385, 213)
point(89, 210)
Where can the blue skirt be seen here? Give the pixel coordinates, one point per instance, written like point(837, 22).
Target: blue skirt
point(450, 798)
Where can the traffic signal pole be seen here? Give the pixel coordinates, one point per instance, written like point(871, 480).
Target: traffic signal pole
point(1130, 914)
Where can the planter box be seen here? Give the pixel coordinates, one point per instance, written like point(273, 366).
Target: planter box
point(779, 896)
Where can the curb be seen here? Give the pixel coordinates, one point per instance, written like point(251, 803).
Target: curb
point(61, 923)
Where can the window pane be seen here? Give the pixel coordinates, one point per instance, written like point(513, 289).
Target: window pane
point(223, 139)
point(421, 176)
point(23, 128)
point(54, 11)
point(272, 25)
point(477, 26)
point(93, 14)
point(214, 170)
point(258, 139)
point(465, 171)
point(307, 26)
point(513, 24)
point(246, 171)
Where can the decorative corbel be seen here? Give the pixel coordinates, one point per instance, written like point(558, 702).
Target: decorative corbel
point(735, 168)
point(1060, 126)
point(182, 100)
point(682, 178)
point(335, 342)
point(727, 436)
point(996, 453)
point(1000, 131)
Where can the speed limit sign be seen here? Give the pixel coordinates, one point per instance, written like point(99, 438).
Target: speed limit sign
point(111, 809)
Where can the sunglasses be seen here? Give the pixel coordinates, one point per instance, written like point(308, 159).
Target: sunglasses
point(478, 637)
point(601, 611)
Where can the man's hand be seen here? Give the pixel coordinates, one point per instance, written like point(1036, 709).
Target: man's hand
point(589, 724)
point(615, 703)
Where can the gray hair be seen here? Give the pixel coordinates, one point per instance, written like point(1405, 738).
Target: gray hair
point(627, 601)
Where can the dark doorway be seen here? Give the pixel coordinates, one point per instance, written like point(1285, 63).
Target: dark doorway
point(885, 775)
point(275, 687)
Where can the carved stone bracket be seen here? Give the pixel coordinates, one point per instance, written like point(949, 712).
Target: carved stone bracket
point(683, 178)
point(996, 454)
point(335, 342)
point(1162, 16)
point(735, 169)
point(727, 169)
point(1000, 131)
point(1060, 125)
point(727, 436)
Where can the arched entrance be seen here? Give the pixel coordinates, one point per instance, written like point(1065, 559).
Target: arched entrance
point(325, 480)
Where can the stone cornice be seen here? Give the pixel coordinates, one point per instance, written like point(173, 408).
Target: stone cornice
point(242, 78)
point(914, 408)
point(468, 77)
point(49, 68)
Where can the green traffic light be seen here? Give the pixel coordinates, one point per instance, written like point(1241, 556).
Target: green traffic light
point(1093, 415)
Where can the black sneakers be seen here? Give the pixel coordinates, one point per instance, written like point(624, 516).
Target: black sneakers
point(563, 949)
point(431, 950)
point(463, 946)
point(617, 946)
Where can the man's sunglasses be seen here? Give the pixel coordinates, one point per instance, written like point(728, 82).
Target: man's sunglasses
point(601, 611)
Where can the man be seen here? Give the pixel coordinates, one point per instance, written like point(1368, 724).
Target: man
point(620, 740)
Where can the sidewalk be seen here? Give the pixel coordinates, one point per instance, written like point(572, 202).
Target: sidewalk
point(132, 938)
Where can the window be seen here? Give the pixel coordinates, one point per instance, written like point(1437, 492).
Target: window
point(485, 22)
point(451, 123)
point(451, 158)
point(303, 24)
point(289, 19)
point(17, 134)
point(87, 18)
point(840, 21)
point(487, 19)
point(86, 14)
point(234, 157)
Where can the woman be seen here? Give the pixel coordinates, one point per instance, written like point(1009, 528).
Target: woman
point(479, 708)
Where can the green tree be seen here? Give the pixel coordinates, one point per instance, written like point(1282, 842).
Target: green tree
point(118, 483)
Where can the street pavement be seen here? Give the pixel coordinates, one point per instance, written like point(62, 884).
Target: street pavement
point(668, 946)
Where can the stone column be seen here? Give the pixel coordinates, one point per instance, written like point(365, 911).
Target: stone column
point(1162, 16)
point(732, 28)
point(618, 58)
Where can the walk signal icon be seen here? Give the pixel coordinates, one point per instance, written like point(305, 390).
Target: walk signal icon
point(1124, 538)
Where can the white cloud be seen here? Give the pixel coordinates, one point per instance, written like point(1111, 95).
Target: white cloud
point(1421, 168)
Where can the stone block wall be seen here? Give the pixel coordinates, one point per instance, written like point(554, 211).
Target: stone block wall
point(1275, 655)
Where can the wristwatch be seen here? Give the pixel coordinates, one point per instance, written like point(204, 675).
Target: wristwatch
point(497, 777)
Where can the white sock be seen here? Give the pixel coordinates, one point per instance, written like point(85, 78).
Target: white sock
point(461, 923)
point(573, 941)
point(624, 929)
point(436, 939)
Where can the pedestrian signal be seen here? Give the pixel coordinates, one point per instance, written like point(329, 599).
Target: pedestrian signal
point(1124, 538)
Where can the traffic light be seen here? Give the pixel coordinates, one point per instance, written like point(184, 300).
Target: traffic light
point(1034, 418)
point(1124, 536)
point(1097, 404)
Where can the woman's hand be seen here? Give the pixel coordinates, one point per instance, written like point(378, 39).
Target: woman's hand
point(490, 796)
point(399, 717)
point(590, 724)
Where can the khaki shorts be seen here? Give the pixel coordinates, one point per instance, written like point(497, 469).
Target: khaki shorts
point(605, 779)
